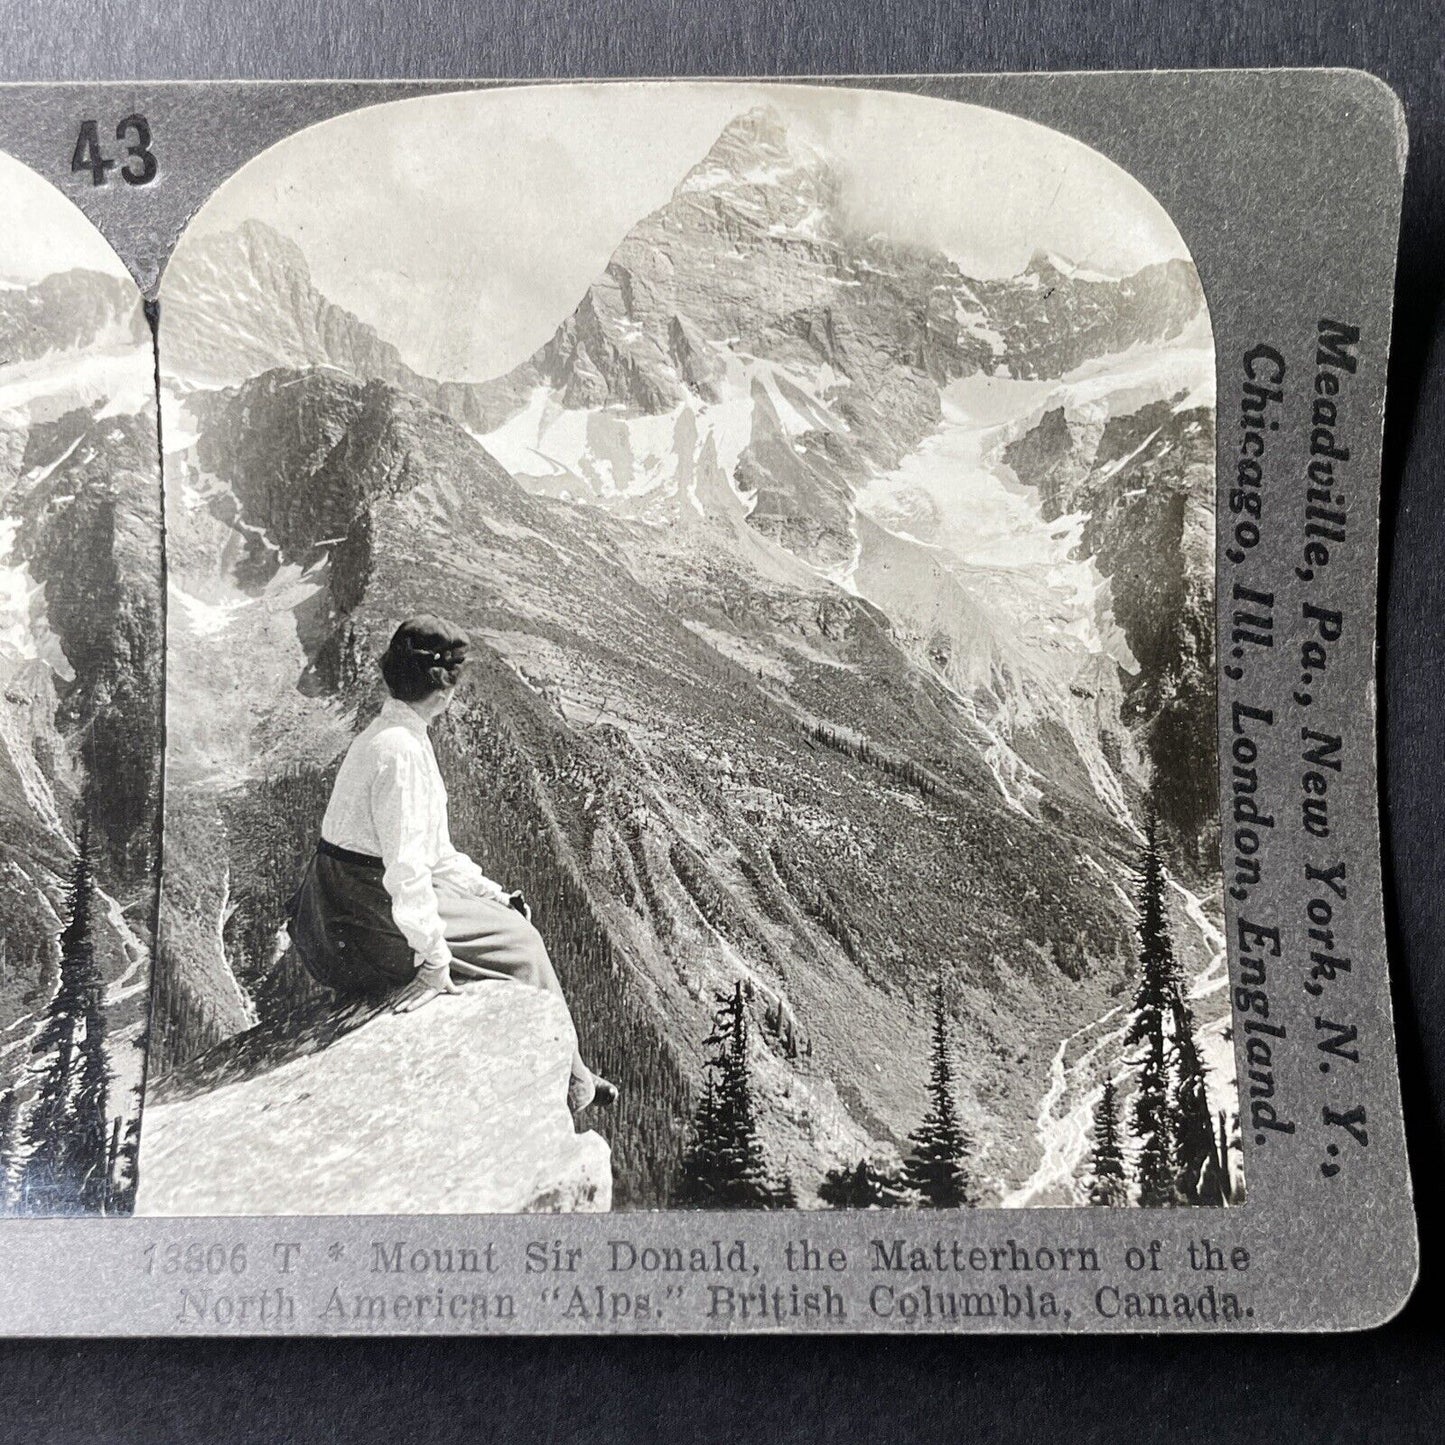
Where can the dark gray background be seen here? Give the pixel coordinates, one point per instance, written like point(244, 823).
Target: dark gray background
point(1382, 1386)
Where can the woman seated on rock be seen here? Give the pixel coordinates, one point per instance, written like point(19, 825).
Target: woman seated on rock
point(387, 901)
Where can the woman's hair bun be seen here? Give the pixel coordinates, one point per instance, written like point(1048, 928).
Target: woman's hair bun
point(425, 655)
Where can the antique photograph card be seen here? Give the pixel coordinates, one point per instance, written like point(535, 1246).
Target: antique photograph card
point(697, 706)
point(817, 589)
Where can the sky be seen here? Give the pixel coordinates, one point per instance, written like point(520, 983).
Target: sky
point(466, 227)
point(42, 231)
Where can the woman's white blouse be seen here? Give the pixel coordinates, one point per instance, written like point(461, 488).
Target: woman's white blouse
point(389, 801)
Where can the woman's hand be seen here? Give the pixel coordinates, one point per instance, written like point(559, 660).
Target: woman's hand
point(417, 995)
point(431, 980)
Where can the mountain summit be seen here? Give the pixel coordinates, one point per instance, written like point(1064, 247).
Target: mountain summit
point(754, 155)
point(747, 355)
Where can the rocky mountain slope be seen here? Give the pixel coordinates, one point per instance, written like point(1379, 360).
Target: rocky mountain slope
point(78, 313)
point(809, 649)
point(80, 653)
point(240, 302)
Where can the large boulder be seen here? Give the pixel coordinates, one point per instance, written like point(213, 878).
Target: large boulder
point(457, 1108)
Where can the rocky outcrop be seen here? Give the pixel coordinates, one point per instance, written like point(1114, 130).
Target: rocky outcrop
point(1145, 483)
point(458, 1108)
point(69, 310)
point(1052, 317)
point(89, 533)
point(307, 454)
point(240, 302)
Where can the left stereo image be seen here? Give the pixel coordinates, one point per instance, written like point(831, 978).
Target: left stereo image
point(81, 706)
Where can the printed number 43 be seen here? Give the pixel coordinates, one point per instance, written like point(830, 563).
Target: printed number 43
point(140, 166)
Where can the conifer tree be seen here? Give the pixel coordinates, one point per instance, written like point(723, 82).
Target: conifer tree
point(1108, 1186)
point(124, 1166)
point(1201, 1177)
point(862, 1187)
point(844, 1188)
point(66, 1126)
point(1153, 1114)
point(723, 1167)
point(88, 1137)
point(703, 1172)
point(936, 1167)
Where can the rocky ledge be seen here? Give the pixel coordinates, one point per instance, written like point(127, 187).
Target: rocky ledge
point(457, 1108)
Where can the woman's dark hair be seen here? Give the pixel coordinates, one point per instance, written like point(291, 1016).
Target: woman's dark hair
point(425, 656)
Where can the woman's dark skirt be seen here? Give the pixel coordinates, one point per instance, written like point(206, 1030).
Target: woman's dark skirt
point(342, 927)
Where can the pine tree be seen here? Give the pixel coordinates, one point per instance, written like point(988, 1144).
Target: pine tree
point(702, 1176)
point(124, 1167)
point(844, 1188)
point(66, 1126)
point(723, 1168)
point(1201, 1178)
point(862, 1187)
point(1154, 1122)
point(936, 1167)
point(87, 1144)
point(1108, 1186)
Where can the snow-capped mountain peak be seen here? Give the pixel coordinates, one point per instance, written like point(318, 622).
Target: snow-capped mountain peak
point(852, 398)
point(756, 164)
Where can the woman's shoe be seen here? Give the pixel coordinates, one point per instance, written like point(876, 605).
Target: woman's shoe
point(594, 1090)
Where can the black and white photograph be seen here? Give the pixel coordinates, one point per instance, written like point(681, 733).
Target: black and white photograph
point(690, 668)
point(81, 691)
